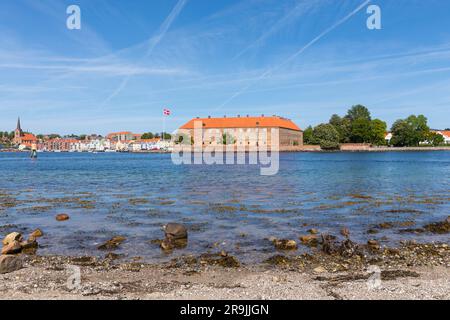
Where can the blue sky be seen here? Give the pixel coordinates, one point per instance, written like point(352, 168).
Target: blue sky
point(302, 59)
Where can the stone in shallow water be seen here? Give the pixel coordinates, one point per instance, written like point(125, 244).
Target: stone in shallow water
point(439, 227)
point(12, 248)
point(62, 217)
point(345, 232)
point(175, 231)
point(310, 240)
point(14, 236)
point(112, 244)
point(9, 263)
point(285, 244)
point(36, 233)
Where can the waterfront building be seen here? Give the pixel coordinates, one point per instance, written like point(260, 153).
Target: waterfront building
point(123, 136)
point(388, 137)
point(445, 134)
point(23, 140)
point(215, 129)
point(57, 145)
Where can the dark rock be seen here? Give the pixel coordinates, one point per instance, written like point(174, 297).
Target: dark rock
point(285, 244)
point(218, 260)
point(438, 227)
point(373, 245)
point(175, 231)
point(112, 244)
point(278, 260)
point(29, 247)
point(309, 240)
point(385, 225)
point(348, 248)
point(167, 245)
point(329, 245)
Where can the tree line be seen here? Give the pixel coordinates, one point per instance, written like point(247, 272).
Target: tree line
point(150, 135)
point(357, 126)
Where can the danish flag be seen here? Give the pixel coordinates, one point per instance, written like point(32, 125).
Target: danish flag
point(166, 112)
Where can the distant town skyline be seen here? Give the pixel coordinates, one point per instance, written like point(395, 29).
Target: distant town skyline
point(304, 60)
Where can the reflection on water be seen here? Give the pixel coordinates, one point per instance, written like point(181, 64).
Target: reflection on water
point(230, 208)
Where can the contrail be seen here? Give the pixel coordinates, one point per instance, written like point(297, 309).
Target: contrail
point(296, 54)
point(298, 10)
point(153, 42)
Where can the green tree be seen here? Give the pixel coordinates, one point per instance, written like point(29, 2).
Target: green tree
point(227, 138)
point(327, 136)
point(420, 127)
point(435, 139)
point(343, 127)
point(377, 132)
point(410, 131)
point(167, 136)
point(147, 135)
point(402, 134)
point(357, 112)
point(361, 130)
point(308, 136)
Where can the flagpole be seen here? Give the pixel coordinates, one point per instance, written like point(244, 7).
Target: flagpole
point(164, 126)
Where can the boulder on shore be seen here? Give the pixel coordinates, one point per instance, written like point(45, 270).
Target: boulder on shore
point(9, 263)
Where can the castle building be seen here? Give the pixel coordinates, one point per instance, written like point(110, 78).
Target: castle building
point(247, 128)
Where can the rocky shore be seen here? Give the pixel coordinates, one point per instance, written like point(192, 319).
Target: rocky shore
point(334, 268)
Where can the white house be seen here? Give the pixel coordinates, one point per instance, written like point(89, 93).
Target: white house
point(445, 134)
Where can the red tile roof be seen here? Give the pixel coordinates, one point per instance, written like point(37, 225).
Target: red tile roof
point(244, 122)
point(445, 133)
point(28, 137)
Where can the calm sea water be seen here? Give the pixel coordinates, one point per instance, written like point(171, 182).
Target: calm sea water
point(230, 208)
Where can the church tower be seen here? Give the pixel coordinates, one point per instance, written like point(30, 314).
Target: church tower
point(18, 133)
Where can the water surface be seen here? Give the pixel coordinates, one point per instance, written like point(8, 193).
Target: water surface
point(226, 207)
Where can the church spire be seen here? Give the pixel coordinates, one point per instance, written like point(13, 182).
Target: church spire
point(18, 128)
